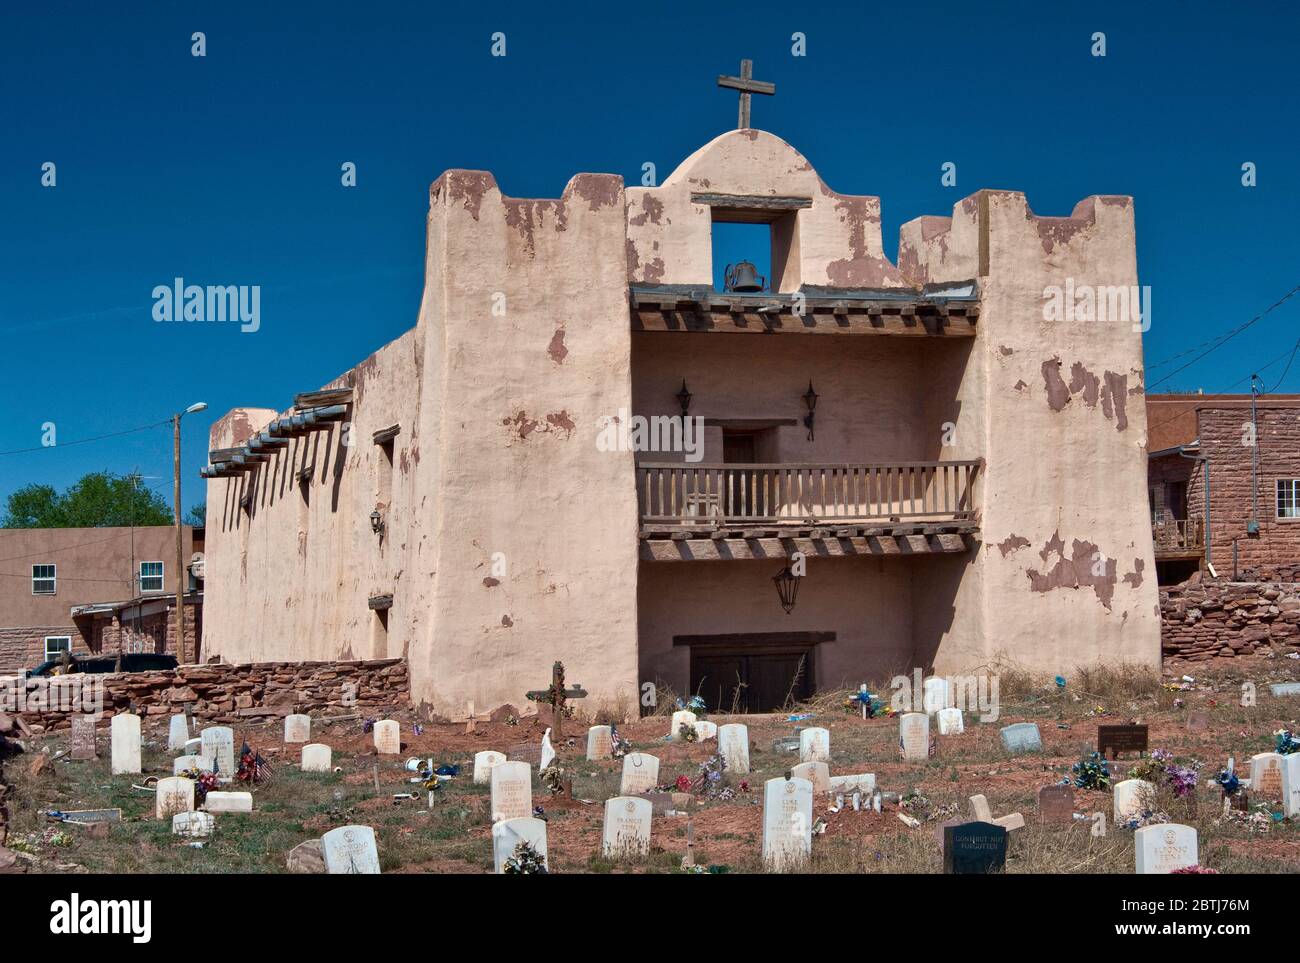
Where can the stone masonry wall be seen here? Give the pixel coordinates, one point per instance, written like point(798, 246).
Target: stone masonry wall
point(1208, 619)
point(226, 694)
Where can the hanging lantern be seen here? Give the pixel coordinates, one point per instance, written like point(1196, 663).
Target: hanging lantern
point(684, 400)
point(810, 399)
point(787, 588)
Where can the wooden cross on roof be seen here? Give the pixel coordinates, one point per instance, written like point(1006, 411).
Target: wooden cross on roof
point(747, 85)
point(556, 697)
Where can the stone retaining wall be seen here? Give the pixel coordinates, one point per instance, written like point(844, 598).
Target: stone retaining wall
point(225, 694)
point(1205, 619)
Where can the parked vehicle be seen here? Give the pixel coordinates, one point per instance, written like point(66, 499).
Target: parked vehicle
point(100, 664)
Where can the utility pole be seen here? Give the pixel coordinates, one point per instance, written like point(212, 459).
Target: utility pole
point(180, 544)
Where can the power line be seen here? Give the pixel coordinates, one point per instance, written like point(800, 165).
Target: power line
point(83, 441)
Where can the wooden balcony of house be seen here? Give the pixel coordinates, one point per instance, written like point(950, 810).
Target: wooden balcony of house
point(754, 511)
point(1178, 537)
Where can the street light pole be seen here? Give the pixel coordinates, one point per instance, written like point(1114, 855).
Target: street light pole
point(180, 549)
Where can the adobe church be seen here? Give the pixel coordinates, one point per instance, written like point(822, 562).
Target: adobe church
point(902, 465)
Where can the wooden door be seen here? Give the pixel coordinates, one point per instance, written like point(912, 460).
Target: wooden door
point(752, 682)
point(738, 448)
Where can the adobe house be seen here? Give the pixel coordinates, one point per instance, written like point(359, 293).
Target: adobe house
point(969, 484)
point(1224, 483)
point(95, 591)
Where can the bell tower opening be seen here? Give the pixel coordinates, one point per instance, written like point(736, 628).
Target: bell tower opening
point(742, 257)
point(755, 243)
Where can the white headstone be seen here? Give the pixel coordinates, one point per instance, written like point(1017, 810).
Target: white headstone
point(814, 745)
point(1291, 786)
point(1266, 775)
point(388, 737)
point(627, 826)
point(178, 733)
point(483, 763)
point(817, 773)
point(935, 694)
point(219, 744)
point(229, 802)
point(1164, 847)
point(733, 746)
point(195, 825)
point(317, 757)
point(193, 746)
point(706, 730)
point(125, 733)
point(787, 822)
point(862, 782)
point(600, 742)
point(297, 728)
point(640, 773)
point(950, 722)
point(350, 850)
point(512, 790)
point(681, 718)
point(914, 735)
point(183, 763)
point(175, 794)
point(509, 833)
point(1132, 798)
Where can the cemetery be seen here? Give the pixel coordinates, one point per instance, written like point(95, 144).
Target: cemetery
point(1099, 771)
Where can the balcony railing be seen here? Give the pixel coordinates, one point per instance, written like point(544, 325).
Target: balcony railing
point(677, 494)
point(1179, 536)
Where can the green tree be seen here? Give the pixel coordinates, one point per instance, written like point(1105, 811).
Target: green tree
point(98, 500)
point(198, 516)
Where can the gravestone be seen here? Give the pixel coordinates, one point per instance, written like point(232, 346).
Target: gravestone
point(388, 737)
point(914, 736)
point(1022, 737)
point(229, 802)
point(317, 757)
point(814, 745)
point(600, 743)
point(193, 825)
point(83, 738)
point(175, 794)
point(1163, 848)
point(681, 718)
point(706, 730)
point(219, 744)
point(980, 809)
point(936, 694)
point(1285, 688)
point(193, 747)
point(950, 722)
point(787, 823)
point(733, 746)
point(1112, 740)
point(1056, 805)
point(977, 847)
point(297, 728)
point(183, 763)
point(512, 790)
point(864, 783)
point(640, 773)
point(627, 827)
point(817, 773)
point(1291, 786)
point(350, 850)
point(1266, 775)
point(1132, 798)
point(178, 732)
point(483, 763)
point(509, 833)
point(124, 731)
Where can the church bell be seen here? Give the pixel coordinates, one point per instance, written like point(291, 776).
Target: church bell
point(743, 278)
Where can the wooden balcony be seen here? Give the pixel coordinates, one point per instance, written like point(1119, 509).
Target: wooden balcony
point(1179, 537)
point(717, 511)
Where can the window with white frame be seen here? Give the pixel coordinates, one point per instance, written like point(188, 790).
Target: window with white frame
point(54, 644)
point(44, 578)
point(1288, 498)
point(151, 576)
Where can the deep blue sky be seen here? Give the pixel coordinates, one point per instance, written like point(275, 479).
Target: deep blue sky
point(225, 169)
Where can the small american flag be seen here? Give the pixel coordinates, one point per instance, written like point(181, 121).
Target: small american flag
point(253, 767)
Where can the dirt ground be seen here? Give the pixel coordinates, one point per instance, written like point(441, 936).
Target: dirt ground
point(454, 834)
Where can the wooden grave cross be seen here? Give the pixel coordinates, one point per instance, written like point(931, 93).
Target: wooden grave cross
point(556, 697)
point(470, 718)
